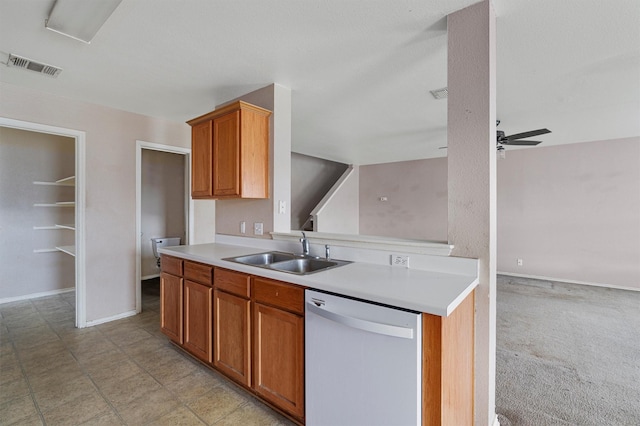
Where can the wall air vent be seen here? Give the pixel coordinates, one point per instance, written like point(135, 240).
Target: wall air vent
point(28, 64)
point(440, 93)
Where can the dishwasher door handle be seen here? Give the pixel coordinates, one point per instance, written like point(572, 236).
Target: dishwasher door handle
point(370, 326)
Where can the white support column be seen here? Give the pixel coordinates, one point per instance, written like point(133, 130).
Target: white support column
point(472, 177)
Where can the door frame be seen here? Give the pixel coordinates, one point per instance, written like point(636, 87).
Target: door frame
point(80, 167)
point(140, 145)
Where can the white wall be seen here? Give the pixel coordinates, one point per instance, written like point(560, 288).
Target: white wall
point(338, 211)
point(311, 179)
point(162, 203)
point(229, 213)
point(26, 157)
point(416, 206)
point(572, 212)
point(110, 185)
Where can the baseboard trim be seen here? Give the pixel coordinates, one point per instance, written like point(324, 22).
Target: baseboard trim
point(148, 277)
point(112, 318)
point(564, 280)
point(36, 295)
point(496, 421)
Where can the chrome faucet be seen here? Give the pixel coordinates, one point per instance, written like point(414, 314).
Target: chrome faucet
point(305, 244)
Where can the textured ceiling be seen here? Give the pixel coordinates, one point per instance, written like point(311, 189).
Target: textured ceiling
point(360, 71)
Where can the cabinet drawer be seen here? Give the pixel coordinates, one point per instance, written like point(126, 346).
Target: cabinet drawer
point(233, 282)
point(198, 272)
point(171, 265)
point(278, 294)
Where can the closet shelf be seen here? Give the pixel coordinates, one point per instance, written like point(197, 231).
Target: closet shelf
point(70, 226)
point(46, 228)
point(58, 204)
point(55, 227)
point(67, 249)
point(68, 181)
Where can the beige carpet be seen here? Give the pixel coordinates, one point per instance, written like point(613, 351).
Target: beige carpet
point(567, 354)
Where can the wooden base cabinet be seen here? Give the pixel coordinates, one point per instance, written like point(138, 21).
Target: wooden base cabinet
point(278, 344)
point(232, 346)
point(171, 306)
point(197, 319)
point(186, 299)
point(251, 329)
point(279, 358)
point(447, 366)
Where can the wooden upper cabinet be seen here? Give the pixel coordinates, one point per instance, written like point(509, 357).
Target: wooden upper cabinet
point(226, 155)
point(230, 152)
point(201, 160)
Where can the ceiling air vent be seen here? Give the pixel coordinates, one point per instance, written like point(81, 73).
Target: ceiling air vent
point(28, 64)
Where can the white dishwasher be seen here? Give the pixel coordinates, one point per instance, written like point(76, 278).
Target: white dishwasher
point(362, 363)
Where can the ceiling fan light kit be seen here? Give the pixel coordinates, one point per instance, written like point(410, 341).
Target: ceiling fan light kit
point(502, 153)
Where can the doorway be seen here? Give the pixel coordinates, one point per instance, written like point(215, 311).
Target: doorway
point(76, 245)
point(163, 204)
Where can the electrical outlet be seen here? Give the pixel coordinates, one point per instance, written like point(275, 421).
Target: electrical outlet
point(519, 262)
point(257, 228)
point(243, 227)
point(399, 260)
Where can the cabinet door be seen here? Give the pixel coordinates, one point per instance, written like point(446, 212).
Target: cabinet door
point(171, 306)
point(197, 319)
point(278, 364)
point(226, 155)
point(232, 343)
point(201, 160)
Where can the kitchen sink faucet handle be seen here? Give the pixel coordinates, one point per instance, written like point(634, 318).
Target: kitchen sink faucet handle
point(305, 244)
point(327, 252)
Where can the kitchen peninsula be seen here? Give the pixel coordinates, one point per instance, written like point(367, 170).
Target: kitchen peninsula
point(248, 322)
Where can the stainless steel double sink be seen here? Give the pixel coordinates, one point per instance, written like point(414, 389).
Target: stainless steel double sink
point(288, 262)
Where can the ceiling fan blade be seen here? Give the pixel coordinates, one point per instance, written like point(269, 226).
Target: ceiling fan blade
point(528, 134)
point(520, 142)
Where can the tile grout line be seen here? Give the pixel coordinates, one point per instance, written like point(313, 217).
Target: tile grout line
point(82, 368)
point(51, 311)
point(24, 373)
point(152, 376)
point(135, 362)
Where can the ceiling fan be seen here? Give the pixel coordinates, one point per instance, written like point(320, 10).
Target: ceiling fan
point(517, 139)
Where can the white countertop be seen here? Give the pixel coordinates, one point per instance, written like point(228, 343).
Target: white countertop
point(423, 290)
